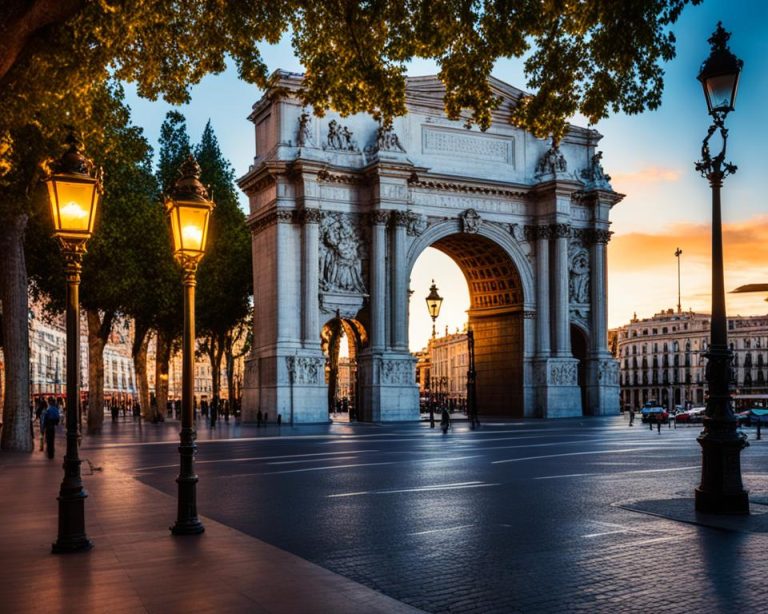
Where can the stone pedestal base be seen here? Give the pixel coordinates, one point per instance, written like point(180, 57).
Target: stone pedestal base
point(290, 384)
point(558, 394)
point(721, 490)
point(602, 382)
point(387, 387)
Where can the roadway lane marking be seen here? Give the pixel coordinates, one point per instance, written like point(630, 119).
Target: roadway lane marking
point(252, 458)
point(616, 473)
point(435, 487)
point(590, 535)
point(525, 458)
point(316, 468)
point(463, 526)
point(311, 460)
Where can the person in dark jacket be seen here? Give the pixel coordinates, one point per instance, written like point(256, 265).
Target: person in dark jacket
point(50, 418)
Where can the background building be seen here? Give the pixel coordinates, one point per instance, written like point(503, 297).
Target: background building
point(662, 358)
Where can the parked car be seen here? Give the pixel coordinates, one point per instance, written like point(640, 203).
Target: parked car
point(751, 417)
point(652, 412)
point(695, 414)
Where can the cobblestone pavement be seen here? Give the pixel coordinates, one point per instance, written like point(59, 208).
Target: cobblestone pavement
point(516, 517)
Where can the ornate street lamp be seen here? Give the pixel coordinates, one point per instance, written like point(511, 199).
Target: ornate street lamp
point(189, 210)
point(434, 302)
point(721, 490)
point(74, 187)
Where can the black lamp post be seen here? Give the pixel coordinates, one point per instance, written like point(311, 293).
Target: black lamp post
point(721, 490)
point(74, 186)
point(189, 210)
point(471, 382)
point(434, 302)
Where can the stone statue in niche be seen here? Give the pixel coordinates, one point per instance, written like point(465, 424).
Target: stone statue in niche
point(578, 283)
point(340, 261)
point(304, 138)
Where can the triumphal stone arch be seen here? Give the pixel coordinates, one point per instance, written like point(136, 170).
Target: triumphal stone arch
point(341, 208)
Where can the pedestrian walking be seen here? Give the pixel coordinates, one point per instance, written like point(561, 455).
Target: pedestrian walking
point(266, 417)
point(258, 418)
point(279, 419)
point(213, 410)
point(49, 420)
point(631, 416)
point(658, 425)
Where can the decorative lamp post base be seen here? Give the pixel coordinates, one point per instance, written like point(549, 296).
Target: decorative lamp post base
point(721, 490)
point(188, 527)
point(72, 537)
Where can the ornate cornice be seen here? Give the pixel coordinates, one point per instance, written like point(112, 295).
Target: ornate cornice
point(281, 216)
point(464, 188)
point(345, 179)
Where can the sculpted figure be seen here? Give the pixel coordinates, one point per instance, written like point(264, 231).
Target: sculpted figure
point(341, 266)
point(304, 138)
point(579, 279)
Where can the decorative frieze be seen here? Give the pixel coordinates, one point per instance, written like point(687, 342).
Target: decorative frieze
point(305, 370)
point(562, 374)
point(397, 372)
point(455, 186)
point(608, 372)
point(443, 141)
point(282, 216)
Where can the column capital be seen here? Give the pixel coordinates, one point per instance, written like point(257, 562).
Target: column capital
point(559, 231)
point(399, 218)
point(310, 216)
point(379, 217)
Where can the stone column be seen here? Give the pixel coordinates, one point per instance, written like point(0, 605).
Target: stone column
point(310, 276)
point(542, 292)
point(378, 290)
point(599, 291)
point(287, 293)
point(560, 233)
point(399, 285)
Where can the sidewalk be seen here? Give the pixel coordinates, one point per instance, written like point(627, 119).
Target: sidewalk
point(137, 566)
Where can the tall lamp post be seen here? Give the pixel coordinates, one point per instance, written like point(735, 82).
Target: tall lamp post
point(678, 253)
point(471, 381)
point(74, 186)
point(434, 302)
point(189, 210)
point(721, 490)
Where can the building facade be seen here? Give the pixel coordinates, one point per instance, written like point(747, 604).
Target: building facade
point(662, 358)
point(340, 210)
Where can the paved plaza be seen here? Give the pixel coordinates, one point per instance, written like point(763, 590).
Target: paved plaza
point(518, 516)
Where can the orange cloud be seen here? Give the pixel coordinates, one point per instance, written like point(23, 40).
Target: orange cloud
point(649, 174)
point(745, 244)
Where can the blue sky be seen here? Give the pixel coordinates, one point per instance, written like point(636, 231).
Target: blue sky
point(650, 157)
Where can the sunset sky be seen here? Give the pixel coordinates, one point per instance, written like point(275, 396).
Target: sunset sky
point(650, 158)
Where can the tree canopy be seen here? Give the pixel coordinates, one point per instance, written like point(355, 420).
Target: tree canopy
point(591, 57)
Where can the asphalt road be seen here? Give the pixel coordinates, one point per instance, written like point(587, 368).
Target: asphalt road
point(516, 516)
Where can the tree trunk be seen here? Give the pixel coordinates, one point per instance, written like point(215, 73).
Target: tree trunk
point(215, 347)
point(162, 358)
point(229, 356)
point(17, 414)
point(98, 334)
point(139, 353)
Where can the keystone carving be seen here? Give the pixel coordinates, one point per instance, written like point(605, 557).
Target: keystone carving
point(470, 221)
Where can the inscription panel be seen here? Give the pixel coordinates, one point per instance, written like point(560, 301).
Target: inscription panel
point(448, 201)
point(444, 141)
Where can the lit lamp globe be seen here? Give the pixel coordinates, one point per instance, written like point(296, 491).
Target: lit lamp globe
point(74, 187)
point(189, 210)
point(434, 301)
point(719, 74)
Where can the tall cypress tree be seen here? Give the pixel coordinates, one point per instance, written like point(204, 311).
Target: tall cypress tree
point(225, 280)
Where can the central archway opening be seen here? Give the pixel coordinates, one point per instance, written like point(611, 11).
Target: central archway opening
point(485, 279)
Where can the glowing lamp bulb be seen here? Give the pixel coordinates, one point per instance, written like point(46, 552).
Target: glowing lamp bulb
point(192, 236)
point(73, 211)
